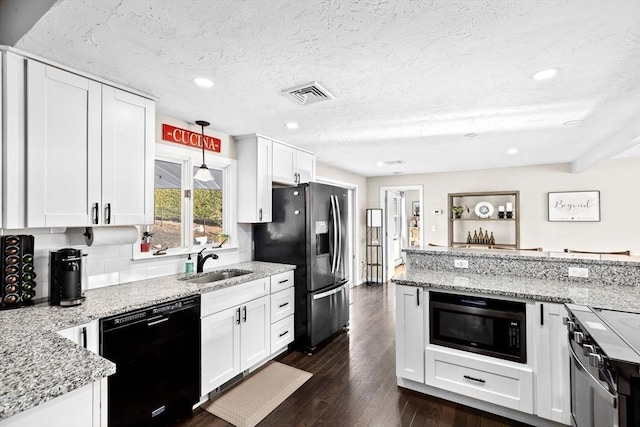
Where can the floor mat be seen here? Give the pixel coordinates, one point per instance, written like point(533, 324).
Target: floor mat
point(248, 402)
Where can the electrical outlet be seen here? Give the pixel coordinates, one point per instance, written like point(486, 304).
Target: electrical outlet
point(578, 272)
point(437, 211)
point(461, 263)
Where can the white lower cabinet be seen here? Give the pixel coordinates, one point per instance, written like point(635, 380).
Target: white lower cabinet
point(87, 335)
point(79, 408)
point(553, 394)
point(500, 383)
point(410, 327)
point(540, 387)
point(282, 310)
point(236, 335)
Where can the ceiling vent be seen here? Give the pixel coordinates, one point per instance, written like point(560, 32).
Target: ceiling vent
point(308, 93)
point(393, 162)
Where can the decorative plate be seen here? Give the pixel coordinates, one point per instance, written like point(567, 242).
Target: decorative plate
point(484, 209)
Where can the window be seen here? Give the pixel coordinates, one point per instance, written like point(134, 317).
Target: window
point(167, 227)
point(207, 208)
point(190, 214)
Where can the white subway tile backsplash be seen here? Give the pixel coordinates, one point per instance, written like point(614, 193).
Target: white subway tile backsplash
point(133, 275)
point(117, 264)
point(102, 280)
point(95, 266)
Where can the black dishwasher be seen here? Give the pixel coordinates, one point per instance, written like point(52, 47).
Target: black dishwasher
point(157, 355)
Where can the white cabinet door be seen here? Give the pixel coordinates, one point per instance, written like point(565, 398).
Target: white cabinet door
point(78, 408)
point(87, 336)
point(63, 139)
point(255, 171)
point(292, 166)
point(220, 348)
point(552, 363)
point(305, 166)
point(410, 338)
point(255, 332)
point(127, 158)
point(284, 164)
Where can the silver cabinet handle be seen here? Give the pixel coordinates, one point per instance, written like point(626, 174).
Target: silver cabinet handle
point(478, 380)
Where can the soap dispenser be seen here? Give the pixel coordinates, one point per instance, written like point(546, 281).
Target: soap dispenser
point(188, 266)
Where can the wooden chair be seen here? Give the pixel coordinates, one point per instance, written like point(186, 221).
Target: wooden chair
point(601, 253)
point(511, 248)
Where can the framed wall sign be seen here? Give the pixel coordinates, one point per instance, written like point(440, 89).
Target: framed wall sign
point(574, 206)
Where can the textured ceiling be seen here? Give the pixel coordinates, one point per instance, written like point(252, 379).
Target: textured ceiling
point(410, 78)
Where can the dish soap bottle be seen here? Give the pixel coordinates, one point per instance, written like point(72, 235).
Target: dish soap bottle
point(188, 266)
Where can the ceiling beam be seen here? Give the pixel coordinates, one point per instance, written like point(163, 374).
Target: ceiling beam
point(621, 140)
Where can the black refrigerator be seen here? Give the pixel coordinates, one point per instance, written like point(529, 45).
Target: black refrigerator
point(308, 229)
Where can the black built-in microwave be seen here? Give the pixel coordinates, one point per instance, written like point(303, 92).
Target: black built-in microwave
point(486, 326)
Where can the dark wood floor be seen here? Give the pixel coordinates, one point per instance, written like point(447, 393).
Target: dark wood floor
point(354, 381)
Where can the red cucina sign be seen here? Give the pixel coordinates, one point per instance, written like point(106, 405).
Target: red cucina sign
point(189, 138)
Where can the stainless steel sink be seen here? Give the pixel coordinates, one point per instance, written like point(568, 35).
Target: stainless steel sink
point(218, 275)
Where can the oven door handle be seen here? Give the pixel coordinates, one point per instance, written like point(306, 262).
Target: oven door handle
point(580, 366)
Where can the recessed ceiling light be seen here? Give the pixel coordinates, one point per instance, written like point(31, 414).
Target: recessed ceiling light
point(573, 123)
point(512, 151)
point(545, 74)
point(292, 125)
point(202, 82)
point(471, 135)
point(380, 164)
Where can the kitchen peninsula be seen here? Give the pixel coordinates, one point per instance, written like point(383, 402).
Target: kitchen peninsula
point(523, 375)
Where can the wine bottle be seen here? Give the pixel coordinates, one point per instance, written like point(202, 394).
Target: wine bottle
point(492, 240)
point(475, 236)
point(480, 237)
point(469, 238)
point(486, 237)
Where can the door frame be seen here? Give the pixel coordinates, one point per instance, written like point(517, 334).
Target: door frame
point(353, 231)
point(388, 274)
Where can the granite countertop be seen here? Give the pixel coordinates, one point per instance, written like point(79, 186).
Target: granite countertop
point(38, 364)
point(587, 292)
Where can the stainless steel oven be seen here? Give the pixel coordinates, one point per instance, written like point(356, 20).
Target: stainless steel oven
point(605, 367)
point(486, 326)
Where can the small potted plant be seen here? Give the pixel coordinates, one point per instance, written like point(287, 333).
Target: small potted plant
point(457, 211)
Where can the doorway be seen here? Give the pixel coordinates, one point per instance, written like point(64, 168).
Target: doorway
point(401, 227)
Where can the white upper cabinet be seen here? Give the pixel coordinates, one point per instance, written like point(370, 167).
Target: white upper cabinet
point(63, 135)
point(255, 171)
point(127, 157)
point(85, 148)
point(305, 166)
point(291, 165)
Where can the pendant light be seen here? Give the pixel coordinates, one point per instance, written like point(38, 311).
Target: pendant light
point(203, 174)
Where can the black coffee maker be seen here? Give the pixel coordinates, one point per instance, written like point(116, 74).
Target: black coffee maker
point(65, 278)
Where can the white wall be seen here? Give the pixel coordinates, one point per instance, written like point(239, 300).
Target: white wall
point(618, 181)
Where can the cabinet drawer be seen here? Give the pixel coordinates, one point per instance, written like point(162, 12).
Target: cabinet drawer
point(282, 304)
point(215, 301)
point(281, 333)
point(281, 281)
point(494, 382)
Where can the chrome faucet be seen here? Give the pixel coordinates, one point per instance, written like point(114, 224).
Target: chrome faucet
point(202, 259)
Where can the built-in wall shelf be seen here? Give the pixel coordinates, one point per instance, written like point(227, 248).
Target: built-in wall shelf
point(499, 217)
